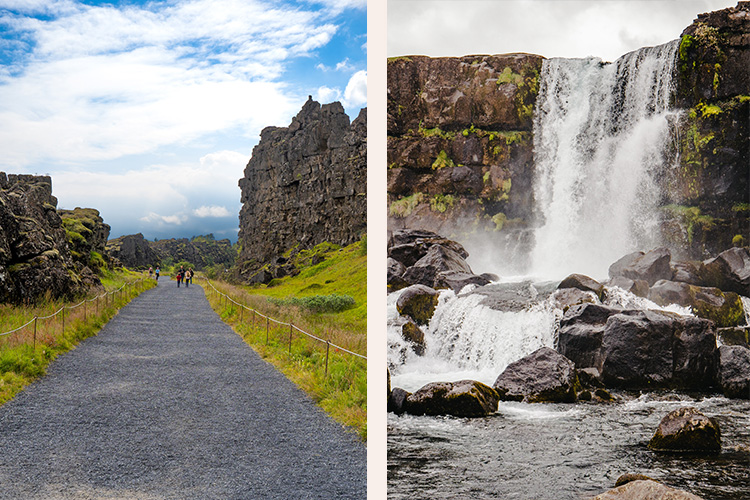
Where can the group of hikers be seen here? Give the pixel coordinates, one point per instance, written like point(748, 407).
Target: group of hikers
point(182, 275)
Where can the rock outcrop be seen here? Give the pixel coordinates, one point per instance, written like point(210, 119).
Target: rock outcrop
point(35, 260)
point(133, 251)
point(460, 154)
point(686, 430)
point(87, 237)
point(305, 184)
point(201, 251)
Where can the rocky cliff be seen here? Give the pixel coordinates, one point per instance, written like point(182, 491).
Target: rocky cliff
point(200, 251)
point(87, 236)
point(708, 193)
point(133, 251)
point(35, 260)
point(461, 145)
point(304, 184)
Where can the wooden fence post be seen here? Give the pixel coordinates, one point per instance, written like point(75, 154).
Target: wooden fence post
point(35, 318)
point(291, 326)
point(266, 330)
point(328, 348)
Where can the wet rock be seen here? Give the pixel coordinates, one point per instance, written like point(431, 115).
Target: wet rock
point(729, 271)
point(739, 335)
point(648, 349)
point(650, 267)
point(397, 400)
point(543, 376)
point(437, 259)
point(581, 332)
point(686, 430)
point(627, 478)
point(687, 272)
point(723, 308)
point(583, 282)
point(569, 297)
point(409, 245)
point(508, 296)
point(734, 371)
point(418, 302)
point(636, 287)
point(467, 398)
point(410, 331)
point(457, 280)
point(645, 490)
point(395, 271)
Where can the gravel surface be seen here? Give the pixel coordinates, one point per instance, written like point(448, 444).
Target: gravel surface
point(167, 402)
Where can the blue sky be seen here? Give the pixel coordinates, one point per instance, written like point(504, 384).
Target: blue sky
point(148, 110)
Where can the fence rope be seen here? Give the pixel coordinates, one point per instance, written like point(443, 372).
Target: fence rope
point(282, 323)
point(71, 307)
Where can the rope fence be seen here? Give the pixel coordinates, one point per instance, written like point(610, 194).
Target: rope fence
point(291, 326)
point(61, 312)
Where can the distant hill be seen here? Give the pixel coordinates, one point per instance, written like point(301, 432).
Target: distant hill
point(135, 251)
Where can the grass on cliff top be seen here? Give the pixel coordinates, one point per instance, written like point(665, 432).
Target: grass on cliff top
point(25, 354)
point(341, 390)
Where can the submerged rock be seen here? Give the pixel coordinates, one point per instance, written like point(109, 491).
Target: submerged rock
point(543, 376)
point(467, 398)
point(686, 430)
point(418, 302)
point(645, 490)
point(734, 371)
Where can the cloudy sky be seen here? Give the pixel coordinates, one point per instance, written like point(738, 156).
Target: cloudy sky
point(149, 110)
point(552, 28)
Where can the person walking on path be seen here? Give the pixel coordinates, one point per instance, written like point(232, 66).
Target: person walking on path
point(168, 402)
point(157, 274)
point(188, 277)
point(179, 278)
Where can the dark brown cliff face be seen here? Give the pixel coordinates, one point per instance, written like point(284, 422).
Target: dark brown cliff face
point(709, 191)
point(133, 250)
point(460, 149)
point(305, 184)
point(34, 255)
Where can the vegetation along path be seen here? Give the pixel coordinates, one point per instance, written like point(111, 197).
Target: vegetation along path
point(168, 402)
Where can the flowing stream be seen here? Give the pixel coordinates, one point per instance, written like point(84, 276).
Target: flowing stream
point(602, 136)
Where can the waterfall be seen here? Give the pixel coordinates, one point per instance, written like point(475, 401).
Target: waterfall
point(600, 136)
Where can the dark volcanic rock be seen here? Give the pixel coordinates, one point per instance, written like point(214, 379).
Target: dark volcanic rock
point(305, 184)
point(636, 287)
point(467, 398)
point(410, 331)
point(651, 267)
point(397, 400)
point(723, 308)
point(584, 283)
point(201, 251)
point(35, 259)
point(649, 349)
point(418, 302)
point(438, 259)
point(543, 376)
point(409, 245)
point(395, 270)
point(87, 236)
point(730, 271)
point(581, 333)
point(734, 371)
point(686, 430)
point(133, 251)
point(457, 280)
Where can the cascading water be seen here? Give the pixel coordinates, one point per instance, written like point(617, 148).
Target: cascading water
point(600, 135)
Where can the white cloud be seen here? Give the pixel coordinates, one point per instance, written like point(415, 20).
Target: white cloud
point(356, 90)
point(212, 211)
point(174, 220)
point(326, 95)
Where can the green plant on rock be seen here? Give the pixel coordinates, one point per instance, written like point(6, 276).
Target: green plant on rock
point(442, 161)
point(738, 240)
point(691, 218)
point(499, 220)
point(405, 206)
point(508, 76)
point(441, 202)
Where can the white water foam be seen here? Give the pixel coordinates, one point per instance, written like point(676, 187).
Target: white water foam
point(600, 132)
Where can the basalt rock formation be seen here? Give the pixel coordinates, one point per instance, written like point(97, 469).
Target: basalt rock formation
point(133, 250)
point(200, 251)
point(35, 260)
point(460, 148)
point(87, 237)
point(304, 184)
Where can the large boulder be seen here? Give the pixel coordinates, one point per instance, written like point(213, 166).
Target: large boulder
point(437, 259)
point(723, 308)
point(686, 430)
point(645, 490)
point(543, 376)
point(636, 287)
point(418, 302)
point(395, 270)
point(648, 349)
point(734, 371)
point(457, 280)
point(466, 398)
point(651, 267)
point(581, 332)
point(411, 332)
point(729, 271)
point(133, 251)
point(582, 282)
point(409, 245)
point(397, 400)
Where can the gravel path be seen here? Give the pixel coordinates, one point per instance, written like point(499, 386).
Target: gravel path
point(167, 402)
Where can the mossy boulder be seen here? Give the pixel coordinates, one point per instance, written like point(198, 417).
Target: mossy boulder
point(723, 308)
point(418, 302)
point(543, 376)
point(686, 430)
point(645, 489)
point(466, 398)
point(411, 332)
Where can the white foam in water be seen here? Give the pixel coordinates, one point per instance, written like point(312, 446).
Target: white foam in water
point(746, 307)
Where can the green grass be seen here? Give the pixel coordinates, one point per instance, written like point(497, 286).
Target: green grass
point(25, 354)
point(342, 390)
